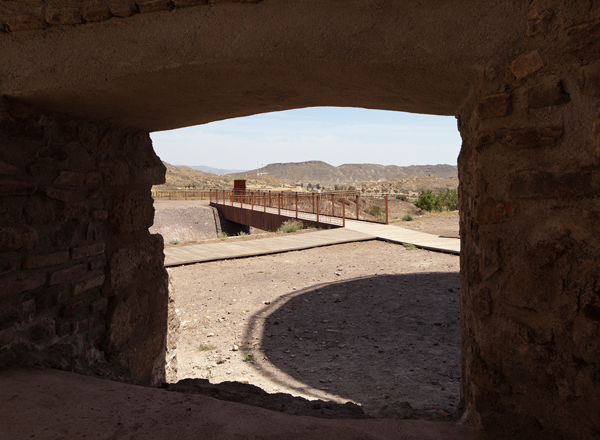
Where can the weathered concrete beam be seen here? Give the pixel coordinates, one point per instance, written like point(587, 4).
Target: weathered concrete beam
point(193, 65)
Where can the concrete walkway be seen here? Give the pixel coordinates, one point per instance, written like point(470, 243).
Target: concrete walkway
point(197, 253)
point(397, 234)
point(354, 231)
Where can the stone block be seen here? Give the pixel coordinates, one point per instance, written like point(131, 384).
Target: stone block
point(61, 296)
point(98, 306)
point(132, 212)
point(9, 240)
point(7, 336)
point(549, 185)
point(494, 106)
point(522, 138)
point(596, 136)
point(97, 264)
point(17, 188)
point(123, 9)
point(64, 16)
point(583, 40)
point(8, 266)
point(154, 5)
point(537, 22)
point(68, 274)
point(88, 251)
point(96, 331)
point(27, 310)
point(43, 329)
point(95, 231)
point(93, 178)
point(70, 178)
point(96, 13)
point(70, 310)
point(80, 326)
point(74, 211)
point(100, 214)
point(527, 64)
point(38, 211)
point(186, 3)
point(88, 284)
point(63, 329)
point(59, 194)
point(25, 23)
point(590, 76)
point(6, 168)
point(548, 92)
point(40, 170)
point(234, 1)
point(116, 172)
point(36, 261)
point(492, 211)
point(12, 239)
point(15, 287)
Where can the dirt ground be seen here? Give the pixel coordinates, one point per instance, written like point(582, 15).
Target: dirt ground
point(372, 323)
point(442, 223)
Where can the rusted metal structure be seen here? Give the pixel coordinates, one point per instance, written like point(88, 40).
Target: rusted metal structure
point(320, 208)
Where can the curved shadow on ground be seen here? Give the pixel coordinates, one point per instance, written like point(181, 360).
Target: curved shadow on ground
point(390, 343)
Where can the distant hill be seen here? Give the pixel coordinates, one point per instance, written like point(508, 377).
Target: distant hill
point(211, 170)
point(183, 177)
point(316, 171)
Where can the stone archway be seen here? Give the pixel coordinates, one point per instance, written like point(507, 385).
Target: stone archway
point(82, 285)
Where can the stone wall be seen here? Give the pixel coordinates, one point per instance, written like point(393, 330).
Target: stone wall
point(82, 283)
point(530, 231)
point(39, 14)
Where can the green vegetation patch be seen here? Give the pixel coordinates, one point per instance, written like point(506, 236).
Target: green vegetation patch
point(292, 226)
point(408, 217)
point(445, 200)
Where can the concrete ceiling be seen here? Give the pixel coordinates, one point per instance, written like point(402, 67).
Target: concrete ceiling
point(194, 65)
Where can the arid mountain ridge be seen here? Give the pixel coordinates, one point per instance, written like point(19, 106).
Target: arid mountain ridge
point(315, 171)
point(369, 178)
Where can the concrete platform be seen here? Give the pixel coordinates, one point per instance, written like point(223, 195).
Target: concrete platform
point(56, 405)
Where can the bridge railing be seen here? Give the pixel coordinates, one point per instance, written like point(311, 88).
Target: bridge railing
point(332, 207)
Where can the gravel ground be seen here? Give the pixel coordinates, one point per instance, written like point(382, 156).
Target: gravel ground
point(372, 323)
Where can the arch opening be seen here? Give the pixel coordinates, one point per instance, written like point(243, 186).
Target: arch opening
point(226, 296)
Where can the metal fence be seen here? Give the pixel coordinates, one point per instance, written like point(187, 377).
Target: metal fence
point(182, 194)
point(331, 207)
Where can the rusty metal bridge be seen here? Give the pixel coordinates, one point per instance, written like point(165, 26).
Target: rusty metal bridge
point(268, 210)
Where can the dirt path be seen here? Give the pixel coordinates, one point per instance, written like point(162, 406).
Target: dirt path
point(372, 323)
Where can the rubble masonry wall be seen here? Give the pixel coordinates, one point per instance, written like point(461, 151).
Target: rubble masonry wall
point(82, 282)
point(530, 231)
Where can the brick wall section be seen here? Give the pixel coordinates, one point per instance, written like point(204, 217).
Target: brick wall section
point(82, 283)
point(27, 16)
point(530, 231)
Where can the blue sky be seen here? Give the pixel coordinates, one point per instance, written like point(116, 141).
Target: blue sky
point(331, 134)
